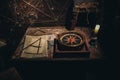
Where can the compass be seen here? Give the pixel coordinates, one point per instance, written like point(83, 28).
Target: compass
point(71, 39)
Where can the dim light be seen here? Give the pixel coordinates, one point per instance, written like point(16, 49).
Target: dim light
point(96, 30)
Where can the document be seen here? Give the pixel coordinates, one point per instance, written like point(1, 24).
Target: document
point(38, 46)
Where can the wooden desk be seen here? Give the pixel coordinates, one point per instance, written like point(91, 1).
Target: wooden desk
point(95, 53)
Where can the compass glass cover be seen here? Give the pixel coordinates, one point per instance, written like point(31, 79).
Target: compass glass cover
point(71, 39)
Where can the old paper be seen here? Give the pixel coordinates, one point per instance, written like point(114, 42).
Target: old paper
point(38, 46)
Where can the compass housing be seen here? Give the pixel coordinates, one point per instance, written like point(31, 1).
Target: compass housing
point(70, 41)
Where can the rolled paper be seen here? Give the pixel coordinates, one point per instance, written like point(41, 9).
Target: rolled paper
point(56, 34)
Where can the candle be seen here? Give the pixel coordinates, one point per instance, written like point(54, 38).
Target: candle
point(97, 27)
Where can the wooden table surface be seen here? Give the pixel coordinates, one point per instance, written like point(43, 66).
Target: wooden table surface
point(95, 52)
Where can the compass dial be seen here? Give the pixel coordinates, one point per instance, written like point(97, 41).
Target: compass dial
point(71, 39)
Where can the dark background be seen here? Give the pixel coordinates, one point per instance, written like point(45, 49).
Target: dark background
point(85, 70)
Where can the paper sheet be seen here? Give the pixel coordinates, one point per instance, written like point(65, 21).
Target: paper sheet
point(38, 46)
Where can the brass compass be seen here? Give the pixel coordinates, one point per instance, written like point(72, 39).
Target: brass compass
point(71, 39)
